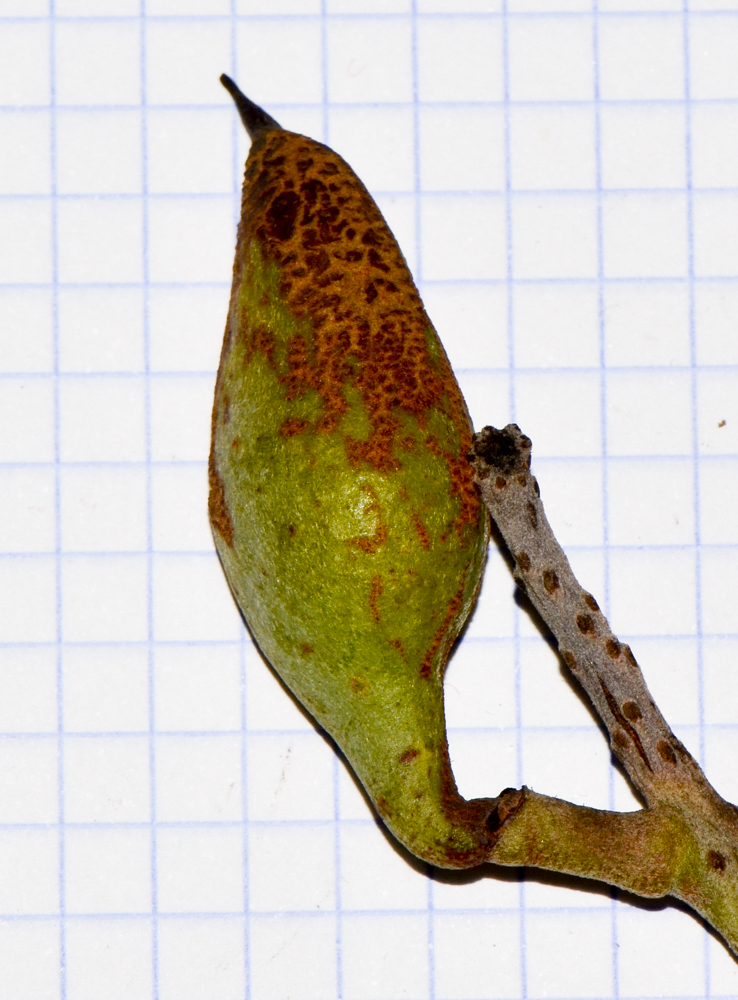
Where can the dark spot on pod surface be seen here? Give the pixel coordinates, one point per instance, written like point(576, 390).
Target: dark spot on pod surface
point(629, 656)
point(282, 215)
point(306, 649)
point(408, 755)
point(585, 624)
point(292, 426)
point(375, 593)
point(536, 487)
point(524, 561)
point(717, 861)
point(591, 602)
point(500, 482)
point(550, 580)
point(397, 644)
point(666, 752)
point(632, 711)
point(421, 530)
point(376, 261)
point(532, 515)
point(613, 648)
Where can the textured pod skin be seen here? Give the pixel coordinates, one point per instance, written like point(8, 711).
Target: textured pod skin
point(342, 504)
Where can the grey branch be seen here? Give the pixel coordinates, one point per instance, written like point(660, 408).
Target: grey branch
point(685, 843)
point(606, 668)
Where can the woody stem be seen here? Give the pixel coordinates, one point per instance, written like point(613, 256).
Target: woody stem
point(686, 842)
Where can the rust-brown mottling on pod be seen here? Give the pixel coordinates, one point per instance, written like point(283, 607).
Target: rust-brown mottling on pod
point(220, 516)
point(293, 425)
point(341, 268)
point(397, 644)
point(421, 530)
point(376, 593)
point(442, 633)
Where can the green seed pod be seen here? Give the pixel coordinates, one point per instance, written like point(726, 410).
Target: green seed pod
point(342, 503)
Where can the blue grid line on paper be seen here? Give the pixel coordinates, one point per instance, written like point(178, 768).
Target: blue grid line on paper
point(337, 805)
point(245, 821)
point(311, 914)
point(386, 193)
point(136, 553)
point(694, 365)
point(603, 421)
point(504, 13)
point(695, 429)
point(153, 840)
point(447, 282)
point(510, 301)
point(165, 374)
point(57, 512)
point(277, 106)
point(243, 643)
point(717, 279)
point(419, 273)
point(471, 194)
point(136, 735)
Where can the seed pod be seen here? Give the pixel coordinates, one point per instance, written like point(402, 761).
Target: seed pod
point(341, 499)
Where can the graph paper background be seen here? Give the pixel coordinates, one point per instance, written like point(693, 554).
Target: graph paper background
point(563, 179)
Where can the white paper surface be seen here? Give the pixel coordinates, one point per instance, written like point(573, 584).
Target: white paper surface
point(563, 179)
